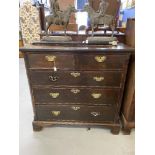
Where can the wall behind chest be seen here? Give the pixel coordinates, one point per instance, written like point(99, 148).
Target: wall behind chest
point(64, 4)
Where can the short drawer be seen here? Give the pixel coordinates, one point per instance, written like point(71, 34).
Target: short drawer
point(76, 78)
point(78, 61)
point(49, 61)
point(101, 61)
point(76, 95)
point(75, 113)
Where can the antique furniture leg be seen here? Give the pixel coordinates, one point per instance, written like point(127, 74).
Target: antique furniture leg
point(36, 126)
point(115, 130)
point(126, 131)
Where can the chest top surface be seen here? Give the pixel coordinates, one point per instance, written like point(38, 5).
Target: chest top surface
point(75, 48)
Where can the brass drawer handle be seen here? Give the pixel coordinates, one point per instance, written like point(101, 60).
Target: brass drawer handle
point(100, 58)
point(50, 58)
point(95, 113)
point(54, 95)
point(75, 91)
point(53, 78)
point(75, 108)
point(96, 96)
point(75, 74)
point(98, 79)
point(55, 113)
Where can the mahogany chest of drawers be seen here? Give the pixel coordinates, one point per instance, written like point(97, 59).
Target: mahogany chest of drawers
point(77, 85)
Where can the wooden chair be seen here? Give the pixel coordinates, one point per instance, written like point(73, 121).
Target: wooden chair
point(113, 9)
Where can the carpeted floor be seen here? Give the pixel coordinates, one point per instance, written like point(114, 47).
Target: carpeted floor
point(65, 140)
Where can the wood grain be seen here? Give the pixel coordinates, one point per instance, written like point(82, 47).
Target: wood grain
point(79, 59)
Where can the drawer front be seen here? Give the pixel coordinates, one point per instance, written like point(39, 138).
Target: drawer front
point(101, 62)
point(49, 61)
point(77, 61)
point(104, 78)
point(76, 96)
point(75, 112)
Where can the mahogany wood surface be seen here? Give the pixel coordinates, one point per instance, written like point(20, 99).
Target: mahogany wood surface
point(130, 32)
point(85, 113)
point(78, 48)
point(85, 78)
point(66, 96)
point(77, 61)
point(72, 107)
point(128, 105)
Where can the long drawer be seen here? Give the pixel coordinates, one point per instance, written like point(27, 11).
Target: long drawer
point(77, 61)
point(75, 112)
point(74, 78)
point(76, 95)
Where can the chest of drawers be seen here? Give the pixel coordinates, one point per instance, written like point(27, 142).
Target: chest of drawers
point(76, 85)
